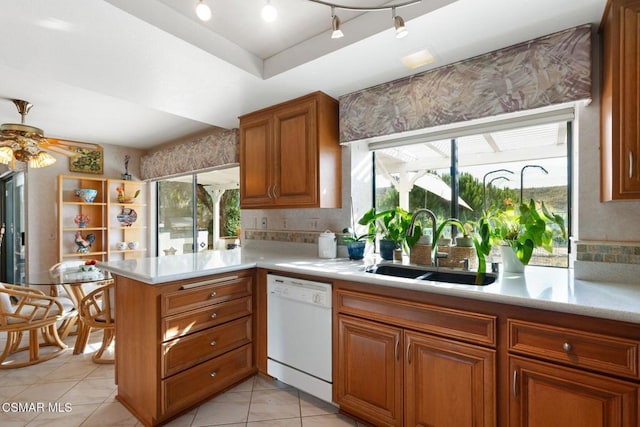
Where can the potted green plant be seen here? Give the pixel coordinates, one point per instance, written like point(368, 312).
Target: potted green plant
point(391, 225)
point(355, 243)
point(522, 229)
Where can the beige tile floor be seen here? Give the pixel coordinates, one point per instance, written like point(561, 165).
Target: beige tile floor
point(85, 394)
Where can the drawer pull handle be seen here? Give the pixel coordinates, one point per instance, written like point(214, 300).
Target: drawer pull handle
point(209, 282)
point(212, 343)
point(567, 347)
point(213, 374)
point(213, 315)
point(213, 294)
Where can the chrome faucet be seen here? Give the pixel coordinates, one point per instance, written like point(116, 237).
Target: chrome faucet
point(431, 215)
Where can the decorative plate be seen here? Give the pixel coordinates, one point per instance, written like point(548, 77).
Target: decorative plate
point(127, 217)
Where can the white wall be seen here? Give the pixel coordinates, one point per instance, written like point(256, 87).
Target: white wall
point(41, 203)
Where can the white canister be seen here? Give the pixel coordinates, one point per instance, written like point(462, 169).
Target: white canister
point(327, 245)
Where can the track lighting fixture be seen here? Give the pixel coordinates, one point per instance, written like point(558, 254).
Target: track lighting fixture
point(398, 22)
point(335, 25)
point(203, 11)
point(269, 13)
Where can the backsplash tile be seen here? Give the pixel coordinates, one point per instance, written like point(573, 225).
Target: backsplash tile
point(282, 236)
point(608, 252)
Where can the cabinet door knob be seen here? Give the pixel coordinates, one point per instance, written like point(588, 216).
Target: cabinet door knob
point(212, 343)
point(567, 347)
point(213, 374)
point(213, 315)
point(213, 294)
point(514, 385)
point(409, 353)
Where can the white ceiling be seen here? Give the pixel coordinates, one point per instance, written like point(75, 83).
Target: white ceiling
point(144, 72)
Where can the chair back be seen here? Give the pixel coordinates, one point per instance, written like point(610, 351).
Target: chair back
point(97, 308)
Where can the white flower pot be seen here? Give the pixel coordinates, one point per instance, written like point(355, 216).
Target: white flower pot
point(510, 261)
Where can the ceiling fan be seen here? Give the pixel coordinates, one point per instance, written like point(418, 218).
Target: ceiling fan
point(27, 144)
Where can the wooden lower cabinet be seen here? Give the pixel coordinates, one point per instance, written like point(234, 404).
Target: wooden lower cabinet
point(390, 376)
point(545, 395)
point(370, 371)
point(182, 342)
point(448, 383)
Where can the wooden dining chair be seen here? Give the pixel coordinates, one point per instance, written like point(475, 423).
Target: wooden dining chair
point(28, 310)
point(97, 310)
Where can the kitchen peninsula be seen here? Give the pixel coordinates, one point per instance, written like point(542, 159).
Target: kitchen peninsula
point(200, 322)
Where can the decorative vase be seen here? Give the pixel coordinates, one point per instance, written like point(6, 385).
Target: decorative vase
point(510, 261)
point(386, 249)
point(356, 249)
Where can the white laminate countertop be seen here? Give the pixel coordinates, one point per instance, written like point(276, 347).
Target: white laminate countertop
point(539, 287)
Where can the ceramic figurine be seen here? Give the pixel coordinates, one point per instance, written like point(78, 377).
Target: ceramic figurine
point(84, 244)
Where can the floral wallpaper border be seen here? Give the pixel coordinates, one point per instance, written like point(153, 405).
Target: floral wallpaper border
point(221, 147)
point(549, 70)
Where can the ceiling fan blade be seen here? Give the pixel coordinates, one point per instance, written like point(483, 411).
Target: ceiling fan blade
point(60, 150)
point(69, 143)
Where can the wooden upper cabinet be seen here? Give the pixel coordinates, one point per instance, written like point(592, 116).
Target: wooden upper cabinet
point(290, 155)
point(619, 101)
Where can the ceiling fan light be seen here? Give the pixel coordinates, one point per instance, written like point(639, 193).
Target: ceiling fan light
point(6, 155)
point(335, 26)
point(269, 13)
point(203, 11)
point(43, 159)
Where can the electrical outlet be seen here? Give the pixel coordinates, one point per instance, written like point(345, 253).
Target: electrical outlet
point(284, 224)
point(264, 222)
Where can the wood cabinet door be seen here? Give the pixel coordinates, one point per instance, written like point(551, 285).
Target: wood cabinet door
point(620, 102)
point(369, 377)
point(629, 72)
point(296, 155)
point(448, 383)
point(545, 395)
point(256, 152)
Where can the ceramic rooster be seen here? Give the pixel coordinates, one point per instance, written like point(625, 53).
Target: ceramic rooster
point(84, 244)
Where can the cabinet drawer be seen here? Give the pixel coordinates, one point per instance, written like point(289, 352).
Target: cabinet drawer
point(578, 348)
point(203, 318)
point(191, 386)
point(451, 323)
point(204, 293)
point(182, 353)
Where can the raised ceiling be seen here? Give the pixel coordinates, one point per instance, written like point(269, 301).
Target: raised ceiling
point(144, 72)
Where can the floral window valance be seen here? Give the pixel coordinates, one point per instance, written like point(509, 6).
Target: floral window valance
point(546, 71)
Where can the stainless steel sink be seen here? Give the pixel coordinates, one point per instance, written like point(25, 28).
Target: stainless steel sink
point(432, 273)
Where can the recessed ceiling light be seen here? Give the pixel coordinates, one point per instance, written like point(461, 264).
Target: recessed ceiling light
point(418, 59)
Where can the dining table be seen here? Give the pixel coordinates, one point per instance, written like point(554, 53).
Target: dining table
point(76, 282)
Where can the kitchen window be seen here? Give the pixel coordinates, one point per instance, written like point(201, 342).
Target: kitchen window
point(198, 212)
point(483, 169)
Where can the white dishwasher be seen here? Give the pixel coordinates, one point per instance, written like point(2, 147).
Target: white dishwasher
point(299, 334)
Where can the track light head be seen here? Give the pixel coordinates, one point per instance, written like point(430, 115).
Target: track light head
point(335, 26)
point(398, 23)
point(269, 13)
point(203, 11)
